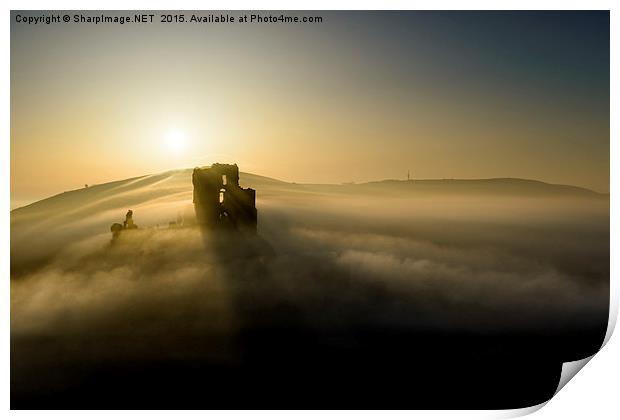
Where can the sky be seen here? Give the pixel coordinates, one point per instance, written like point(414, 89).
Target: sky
point(361, 96)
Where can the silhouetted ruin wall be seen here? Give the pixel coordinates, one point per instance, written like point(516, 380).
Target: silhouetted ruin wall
point(219, 201)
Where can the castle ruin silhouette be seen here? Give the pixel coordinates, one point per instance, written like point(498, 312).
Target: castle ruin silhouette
point(219, 201)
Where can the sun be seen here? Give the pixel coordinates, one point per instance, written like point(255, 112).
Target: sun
point(175, 141)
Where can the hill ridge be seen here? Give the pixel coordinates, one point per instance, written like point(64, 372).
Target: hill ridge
point(440, 183)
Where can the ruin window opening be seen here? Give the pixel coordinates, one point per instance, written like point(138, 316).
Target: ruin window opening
point(222, 195)
point(223, 179)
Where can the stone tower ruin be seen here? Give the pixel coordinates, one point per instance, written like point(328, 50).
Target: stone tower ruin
point(219, 201)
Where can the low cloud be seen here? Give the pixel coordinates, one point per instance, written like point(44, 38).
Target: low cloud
point(325, 263)
point(329, 277)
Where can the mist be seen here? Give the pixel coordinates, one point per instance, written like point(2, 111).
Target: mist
point(330, 263)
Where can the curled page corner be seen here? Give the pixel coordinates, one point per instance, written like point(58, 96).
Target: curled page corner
point(520, 412)
point(569, 370)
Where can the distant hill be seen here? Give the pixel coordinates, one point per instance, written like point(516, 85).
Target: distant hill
point(46, 225)
point(137, 190)
point(502, 186)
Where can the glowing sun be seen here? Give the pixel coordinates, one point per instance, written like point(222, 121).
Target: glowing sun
point(175, 141)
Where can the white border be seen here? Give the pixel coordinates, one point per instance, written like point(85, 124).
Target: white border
point(593, 394)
